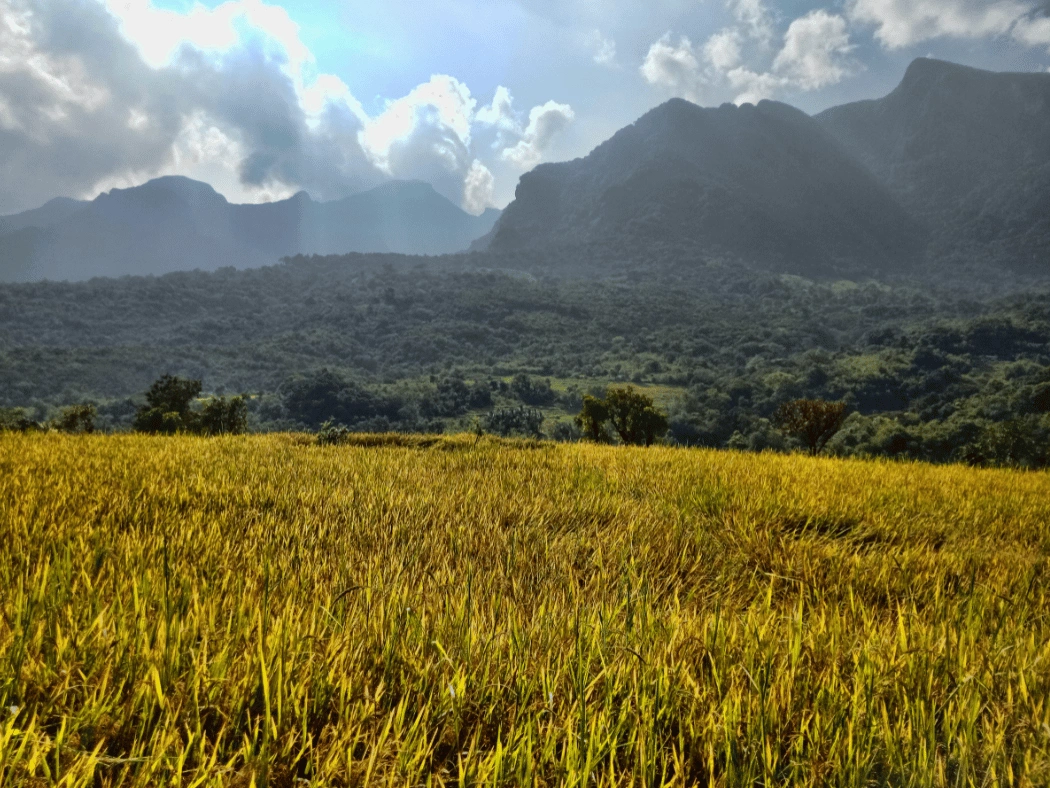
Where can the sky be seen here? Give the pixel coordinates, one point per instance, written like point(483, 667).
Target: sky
point(263, 99)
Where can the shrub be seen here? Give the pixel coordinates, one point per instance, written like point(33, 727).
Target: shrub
point(167, 409)
point(332, 434)
point(532, 392)
point(522, 421)
point(15, 420)
point(76, 419)
point(222, 416)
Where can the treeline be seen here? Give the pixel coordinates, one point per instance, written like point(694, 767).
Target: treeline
point(939, 371)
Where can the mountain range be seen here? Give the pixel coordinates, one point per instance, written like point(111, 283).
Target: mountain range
point(175, 223)
point(965, 151)
point(765, 182)
point(953, 166)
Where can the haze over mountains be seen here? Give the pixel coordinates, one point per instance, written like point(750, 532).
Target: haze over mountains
point(174, 223)
point(953, 163)
point(952, 166)
point(965, 151)
point(763, 182)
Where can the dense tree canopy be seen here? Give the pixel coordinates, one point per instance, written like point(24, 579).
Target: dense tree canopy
point(935, 370)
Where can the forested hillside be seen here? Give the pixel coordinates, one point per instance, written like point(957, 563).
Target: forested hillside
point(385, 342)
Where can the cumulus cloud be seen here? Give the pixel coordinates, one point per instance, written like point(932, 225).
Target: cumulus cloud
point(674, 67)
point(755, 19)
point(902, 23)
point(78, 102)
point(722, 50)
point(544, 124)
point(814, 53)
point(478, 188)
point(425, 135)
point(101, 93)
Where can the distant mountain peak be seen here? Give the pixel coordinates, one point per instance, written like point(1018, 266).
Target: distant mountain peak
point(178, 186)
point(176, 223)
point(415, 188)
point(967, 151)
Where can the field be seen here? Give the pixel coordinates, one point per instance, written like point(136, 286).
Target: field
point(261, 610)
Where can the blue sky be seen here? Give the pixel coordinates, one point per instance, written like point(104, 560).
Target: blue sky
point(262, 99)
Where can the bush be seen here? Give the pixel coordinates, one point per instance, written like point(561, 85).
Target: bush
point(326, 395)
point(167, 409)
point(15, 420)
point(76, 419)
point(566, 432)
point(454, 397)
point(522, 421)
point(222, 416)
point(332, 434)
point(532, 392)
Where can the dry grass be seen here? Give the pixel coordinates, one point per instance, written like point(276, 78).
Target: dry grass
point(258, 610)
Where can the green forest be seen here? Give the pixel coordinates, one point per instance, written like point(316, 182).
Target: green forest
point(952, 368)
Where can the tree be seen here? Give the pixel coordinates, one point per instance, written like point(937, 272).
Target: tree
point(532, 392)
point(222, 416)
point(325, 395)
point(167, 409)
point(592, 418)
point(78, 419)
point(632, 414)
point(15, 420)
point(814, 421)
point(173, 395)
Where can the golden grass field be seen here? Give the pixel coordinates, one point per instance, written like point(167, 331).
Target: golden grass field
point(261, 610)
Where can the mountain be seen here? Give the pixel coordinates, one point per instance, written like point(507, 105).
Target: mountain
point(766, 183)
point(966, 151)
point(175, 223)
point(46, 215)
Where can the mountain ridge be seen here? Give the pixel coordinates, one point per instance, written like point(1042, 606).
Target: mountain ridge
point(175, 223)
point(966, 151)
point(755, 181)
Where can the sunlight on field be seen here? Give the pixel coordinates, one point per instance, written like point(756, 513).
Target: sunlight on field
point(228, 611)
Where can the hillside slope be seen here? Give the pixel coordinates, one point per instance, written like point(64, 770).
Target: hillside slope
point(966, 151)
point(763, 182)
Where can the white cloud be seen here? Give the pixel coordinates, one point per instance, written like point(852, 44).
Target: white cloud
point(815, 51)
point(902, 23)
point(753, 86)
point(478, 188)
point(500, 112)
point(160, 33)
point(1033, 31)
point(722, 50)
point(444, 103)
point(603, 49)
point(814, 54)
point(544, 123)
point(674, 67)
point(101, 93)
point(754, 18)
